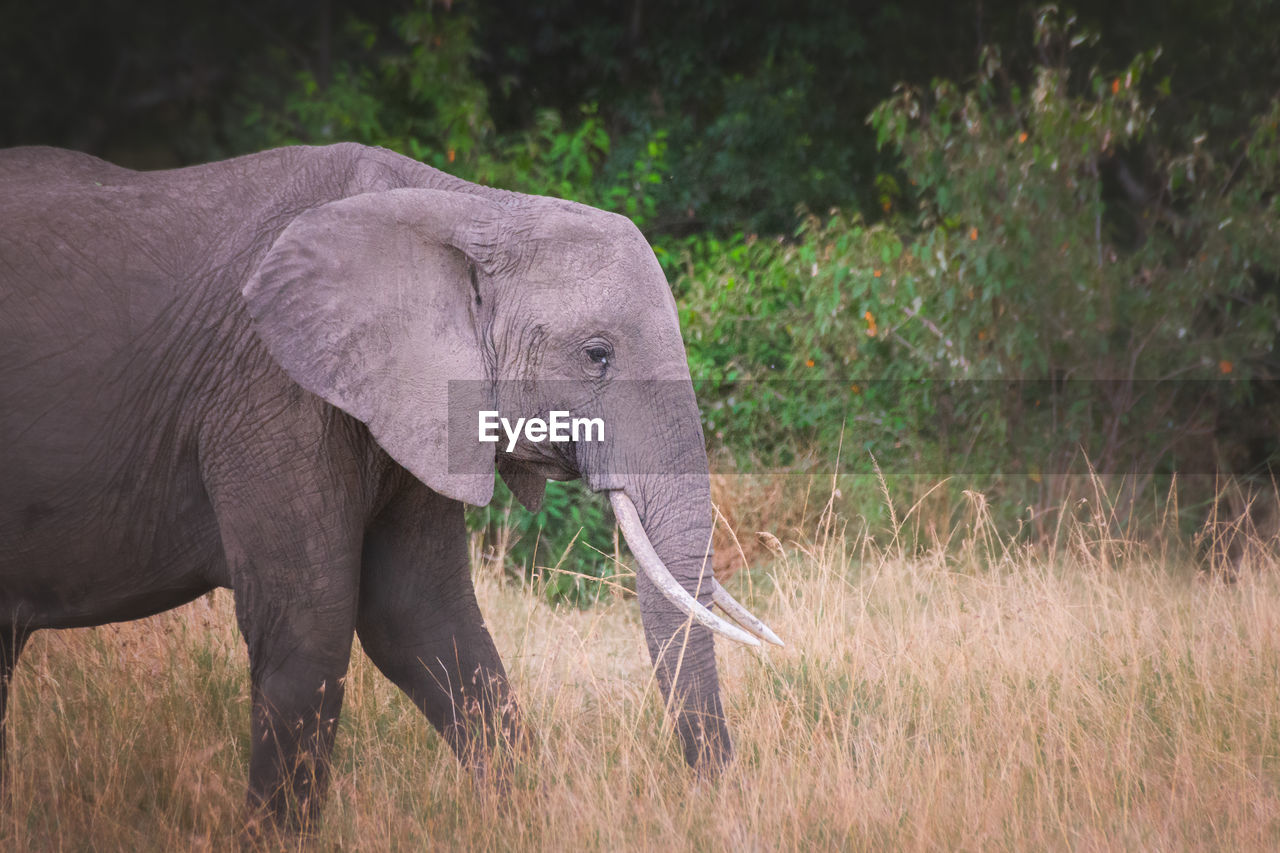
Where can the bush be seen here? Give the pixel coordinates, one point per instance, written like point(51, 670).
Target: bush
point(1059, 288)
point(566, 548)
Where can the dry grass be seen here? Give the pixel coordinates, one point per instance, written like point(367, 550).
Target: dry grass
point(981, 698)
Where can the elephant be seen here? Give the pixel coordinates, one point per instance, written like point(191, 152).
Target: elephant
point(263, 374)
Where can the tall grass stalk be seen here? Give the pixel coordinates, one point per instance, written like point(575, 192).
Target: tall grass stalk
point(930, 697)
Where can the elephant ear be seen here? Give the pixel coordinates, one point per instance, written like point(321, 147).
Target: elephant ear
point(372, 303)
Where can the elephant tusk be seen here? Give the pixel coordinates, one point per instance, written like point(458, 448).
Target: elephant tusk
point(742, 615)
point(651, 564)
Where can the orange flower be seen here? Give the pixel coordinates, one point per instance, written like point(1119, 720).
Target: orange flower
point(1115, 86)
point(871, 323)
point(809, 363)
point(855, 389)
point(888, 206)
point(982, 334)
point(1022, 137)
point(451, 155)
point(876, 273)
point(973, 234)
point(1225, 366)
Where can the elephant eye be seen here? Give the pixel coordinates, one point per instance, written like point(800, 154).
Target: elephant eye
point(599, 354)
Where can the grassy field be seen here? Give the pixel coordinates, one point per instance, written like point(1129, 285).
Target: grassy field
point(985, 697)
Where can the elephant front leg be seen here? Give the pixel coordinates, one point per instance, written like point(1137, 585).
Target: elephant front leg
point(297, 697)
point(458, 682)
point(420, 624)
point(295, 589)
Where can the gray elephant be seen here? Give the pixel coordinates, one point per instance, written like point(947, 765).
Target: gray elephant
point(265, 374)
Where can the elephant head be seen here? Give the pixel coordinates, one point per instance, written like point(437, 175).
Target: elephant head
point(413, 309)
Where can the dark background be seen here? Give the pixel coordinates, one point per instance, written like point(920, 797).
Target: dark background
point(764, 103)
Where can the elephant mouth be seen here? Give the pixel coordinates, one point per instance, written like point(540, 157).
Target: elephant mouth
point(638, 541)
point(552, 465)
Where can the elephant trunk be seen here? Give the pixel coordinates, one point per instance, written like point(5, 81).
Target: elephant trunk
point(678, 539)
point(654, 469)
point(674, 604)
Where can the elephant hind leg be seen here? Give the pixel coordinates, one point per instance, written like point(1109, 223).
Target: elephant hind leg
point(12, 640)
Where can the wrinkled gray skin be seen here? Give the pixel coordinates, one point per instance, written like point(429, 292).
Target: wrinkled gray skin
point(234, 375)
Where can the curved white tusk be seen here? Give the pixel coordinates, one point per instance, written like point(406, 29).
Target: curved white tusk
point(638, 541)
point(742, 615)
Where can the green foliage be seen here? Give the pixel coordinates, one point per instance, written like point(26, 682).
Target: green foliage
point(1042, 256)
point(566, 548)
point(762, 112)
point(785, 340)
point(414, 91)
point(1034, 253)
